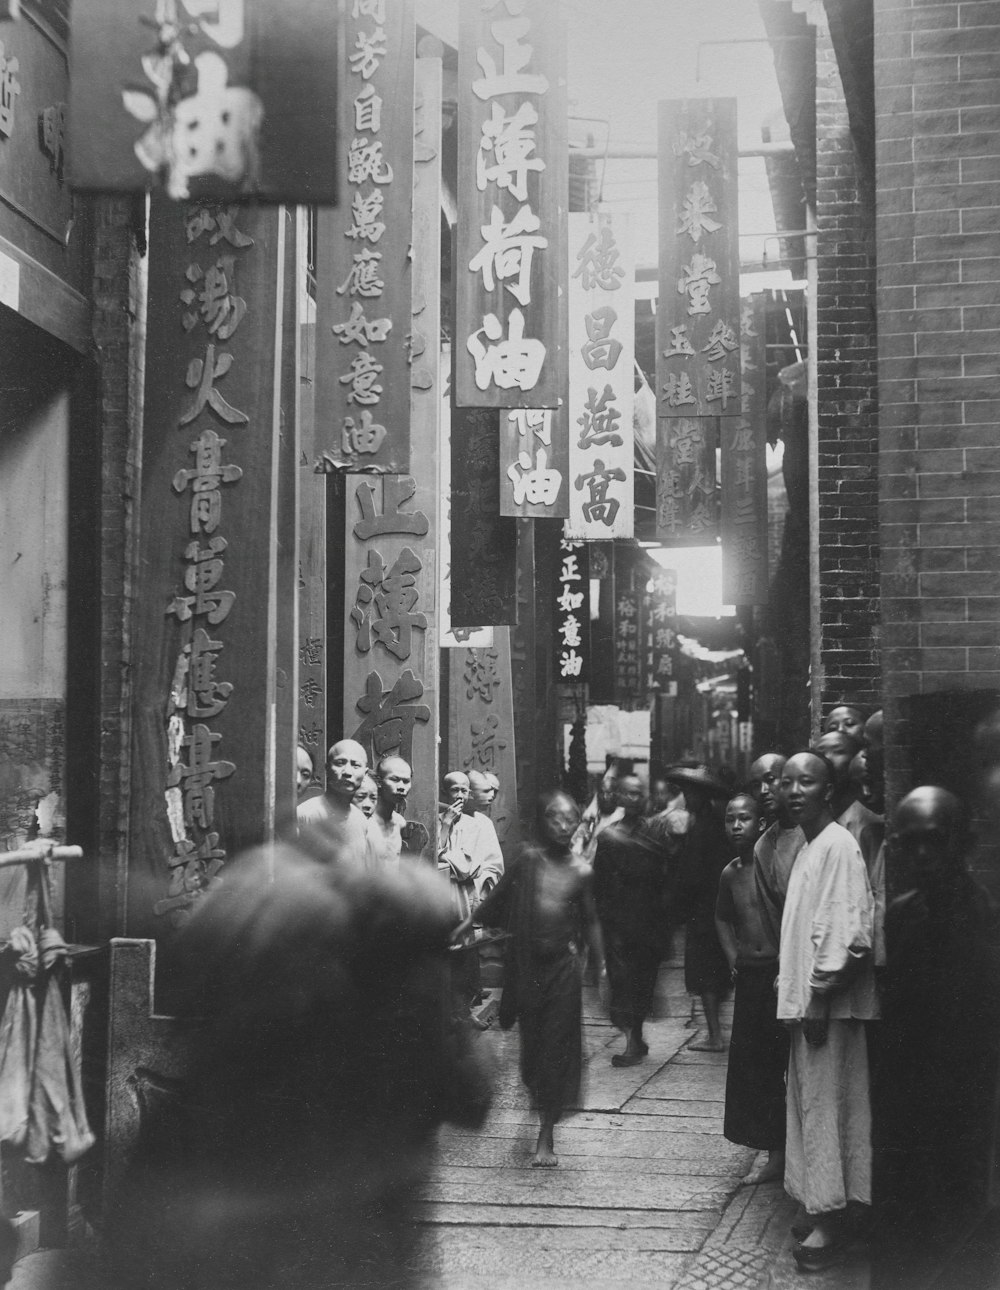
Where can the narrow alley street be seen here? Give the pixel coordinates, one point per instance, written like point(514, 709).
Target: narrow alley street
point(647, 1190)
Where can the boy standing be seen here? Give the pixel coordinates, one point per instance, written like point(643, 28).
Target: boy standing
point(758, 1049)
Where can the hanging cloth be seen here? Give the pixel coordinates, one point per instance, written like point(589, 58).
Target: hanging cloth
point(18, 1039)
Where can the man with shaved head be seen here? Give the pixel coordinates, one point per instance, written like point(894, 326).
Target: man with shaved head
point(936, 1077)
point(331, 825)
point(826, 992)
point(776, 848)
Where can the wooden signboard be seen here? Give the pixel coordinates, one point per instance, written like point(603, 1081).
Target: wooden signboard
point(744, 472)
point(513, 190)
point(312, 574)
point(601, 378)
point(481, 722)
point(698, 311)
point(628, 648)
point(660, 630)
point(522, 666)
point(363, 254)
point(687, 507)
point(449, 636)
point(230, 100)
point(534, 463)
point(483, 541)
point(205, 622)
point(572, 614)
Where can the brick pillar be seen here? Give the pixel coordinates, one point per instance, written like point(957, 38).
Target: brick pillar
point(848, 408)
point(938, 149)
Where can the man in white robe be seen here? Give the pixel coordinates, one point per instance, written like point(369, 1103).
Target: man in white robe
point(826, 992)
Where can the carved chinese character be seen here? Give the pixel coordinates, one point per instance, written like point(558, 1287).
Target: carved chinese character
point(52, 136)
point(368, 110)
point(721, 342)
point(507, 252)
point(677, 390)
point(686, 443)
point(719, 388)
point(359, 330)
point(481, 674)
point(363, 277)
point(599, 422)
point(697, 149)
point(374, 9)
point(205, 479)
point(570, 571)
point(365, 161)
point(485, 743)
point(536, 420)
point(511, 140)
point(201, 377)
point(569, 601)
point(700, 519)
point(363, 438)
point(10, 88)
point(507, 363)
point(193, 873)
point(220, 310)
point(309, 691)
point(311, 652)
point(534, 481)
point(570, 663)
point(390, 718)
point(743, 439)
point(366, 211)
point(369, 50)
point(396, 490)
point(696, 211)
point(569, 630)
point(511, 78)
point(679, 343)
point(384, 604)
point(598, 482)
point(743, 472)
point(600, 350)
point(197, 777)
point(220, 221)
point(206, 697)
point(362, 379)
point(202, 577)
point(597, 256)
point(668, 513)
point(699, 277)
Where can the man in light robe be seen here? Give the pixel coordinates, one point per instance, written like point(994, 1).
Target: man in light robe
point(331, 826)
point(826, 992)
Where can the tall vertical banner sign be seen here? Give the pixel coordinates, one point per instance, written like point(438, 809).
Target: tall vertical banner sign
point(450, 637)
point(225, 100)
point(572, 616)
point(483, 542)
point(660, 631)
point(687, 504)
point(513, 190)
point(534, 464)
point(363, 251)
point(204, 677)
point(601, 378)
point(628, 648)
point(744, 472)
point(481, 722)
point(698, 311)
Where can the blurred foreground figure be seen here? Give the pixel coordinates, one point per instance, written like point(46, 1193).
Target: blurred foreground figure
point(305, 1122)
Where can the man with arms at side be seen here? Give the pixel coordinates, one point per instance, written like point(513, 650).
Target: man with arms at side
point(777, 847)
point(826, 992)
point(331, 826)
point(385, 827)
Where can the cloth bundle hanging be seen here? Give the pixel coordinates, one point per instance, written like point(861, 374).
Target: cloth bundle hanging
point(41, 1093)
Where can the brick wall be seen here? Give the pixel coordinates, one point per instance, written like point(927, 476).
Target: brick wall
point(938, 162)
point(848, 408)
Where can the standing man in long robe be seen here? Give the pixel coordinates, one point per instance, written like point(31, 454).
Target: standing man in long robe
point(826, 992)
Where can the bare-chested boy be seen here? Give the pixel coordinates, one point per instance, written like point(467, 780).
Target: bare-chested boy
point(758, 1050)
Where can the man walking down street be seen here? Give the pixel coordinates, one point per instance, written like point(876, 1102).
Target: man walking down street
point(826, 992)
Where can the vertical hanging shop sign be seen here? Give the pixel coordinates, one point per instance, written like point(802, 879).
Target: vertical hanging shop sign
point(628, 647)
point(363, 251)
point(483, 542)
point(744, 472)
point(660, 631)
point(225, 100)
point(572, 616)
point(481, 722)
point(449, 636)
point(698, 311)
point(389, 601)
point(204, 678)
point(601, 378)
point(687, 505)
point(534, 464)
point(513, 189)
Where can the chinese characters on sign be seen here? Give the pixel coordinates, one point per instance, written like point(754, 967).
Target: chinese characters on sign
point(660, 644)
point(364, 273)
point(207, 478)
point(534, 463)
point(697, 315)
point(572, 616)
point(744, 472)
point(629, 677)
point(225, 100)
point(601, 378)
point(481, 722)
point(513, 189)
point(687, 507)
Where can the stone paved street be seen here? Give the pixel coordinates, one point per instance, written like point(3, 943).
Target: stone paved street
point(647, 1189)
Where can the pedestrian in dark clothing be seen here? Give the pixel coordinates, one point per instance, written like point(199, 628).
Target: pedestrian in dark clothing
point(703, 856)
point(629, 891)
point(545, 900)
